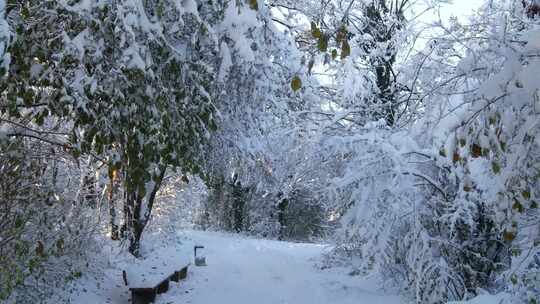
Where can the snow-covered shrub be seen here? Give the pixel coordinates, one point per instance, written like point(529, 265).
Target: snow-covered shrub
point(458, 211)
point(492, 152)
point(47, 226)
point(384, 184)
point(19, 176)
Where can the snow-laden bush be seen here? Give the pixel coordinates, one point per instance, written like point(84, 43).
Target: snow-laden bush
point(401, 217)
point(492, 151)
point(384, 184)
point(455, 210)
point(48, 223)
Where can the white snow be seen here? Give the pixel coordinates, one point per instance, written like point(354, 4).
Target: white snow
point(237, 23)
point(486, 299)
point(240, 270)
point(4, 37)
point(226, 62)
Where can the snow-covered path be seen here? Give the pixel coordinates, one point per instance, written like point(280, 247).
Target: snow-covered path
point(243, 271)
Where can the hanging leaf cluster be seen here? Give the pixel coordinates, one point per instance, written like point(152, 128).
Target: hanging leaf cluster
point(323, 39)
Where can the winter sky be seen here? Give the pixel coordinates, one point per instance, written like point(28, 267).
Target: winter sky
point(460, 8)
point(464, 7)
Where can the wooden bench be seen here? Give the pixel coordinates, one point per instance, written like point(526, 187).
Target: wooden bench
point(180, 274)
point(147, 294)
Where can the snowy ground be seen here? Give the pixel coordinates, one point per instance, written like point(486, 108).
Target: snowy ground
point(240, 271)
point(260, 271)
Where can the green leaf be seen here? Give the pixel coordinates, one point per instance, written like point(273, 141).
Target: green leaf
point(296, 83)
point(19, 222)
point(212, 125)
point(442, 152)
point(322, 44)
point(517, 206)
point(514, 279)
point(25, 13)
point(40, 119)
point(495, 167)
point(75, 152)
point(334, 54)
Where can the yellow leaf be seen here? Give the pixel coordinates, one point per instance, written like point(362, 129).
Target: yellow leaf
point(315, 32)
point(296, 83)
point(509, 236)
point(253, 4)
point(476, 151)
point(456, 157)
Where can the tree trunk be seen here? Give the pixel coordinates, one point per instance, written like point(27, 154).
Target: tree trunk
point(282, 208)
point(133, 221)
point(112, 212)
point(238, 206)
point(114, 228)
point(136, 220)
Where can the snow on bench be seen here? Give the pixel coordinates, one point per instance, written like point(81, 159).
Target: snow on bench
point(152, 276)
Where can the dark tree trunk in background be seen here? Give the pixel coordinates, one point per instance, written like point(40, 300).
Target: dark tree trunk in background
point(113, 186)
point(532, 8)
point(238, 205)
point(89, 190)
point(282, 208)
point(114, 227)
point(383, 24)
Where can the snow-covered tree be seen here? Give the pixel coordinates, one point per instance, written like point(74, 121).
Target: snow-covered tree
point(129, 76)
